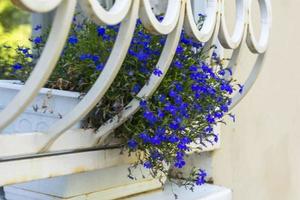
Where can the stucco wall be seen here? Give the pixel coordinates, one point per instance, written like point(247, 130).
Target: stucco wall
point(260, 154)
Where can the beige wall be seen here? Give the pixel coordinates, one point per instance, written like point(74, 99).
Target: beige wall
point(260, 154)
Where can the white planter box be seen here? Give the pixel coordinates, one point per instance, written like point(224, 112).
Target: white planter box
point(49, 106)
point(104, 184)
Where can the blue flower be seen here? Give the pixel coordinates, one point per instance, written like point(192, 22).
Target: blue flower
point(178, 87)
point(209, 129)
point(132, 144)
point(73, 39)
point(197, 44)
point(162, 41)
point(155, 140)
point(157, 72)
point(101, 31)
point(155, 155)
point(216, 138)
point(160, 130)
point(142, 56)
point(226, 87)
point(159, 17)
point(170, 108)
point(106, 37)
point(197, 107)
point(95, 58)
point(197, 95)
point(178, 64)
point(222, 72)
point(162, 98)
point(145, 137)
point(150, 117)
point(178, 100)
point(185, 140)
point(38, 27)
point(224, 108)
point(179, 49)
point(37, 40)
point(148, 165)
point(172, 93)
point(201, 177)
point(143, 104)
point(173, 138)
point(241, 88)
point(218, 114)
point(24, 50)
point(215, 55)
point(85, 57)
point(136, 88)
point(99, 67)
point(229, 102)
point(210, 119)
point(195, 87)
point(185, 41)
point(182, 146)
point(193, 68)
point(174, 125)
point(206, 69)
point(17, 66)
point(160, 114)
point(179, 164)
point(179, 155)
point(28, 55)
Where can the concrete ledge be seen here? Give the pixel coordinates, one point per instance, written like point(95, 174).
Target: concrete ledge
point(14, 193)
point(105, 184)
point(205, 192)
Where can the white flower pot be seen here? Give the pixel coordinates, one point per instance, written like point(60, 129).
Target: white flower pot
point(49, 106)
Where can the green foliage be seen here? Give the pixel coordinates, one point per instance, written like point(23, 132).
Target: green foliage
point(11, 17)
point(14, 30)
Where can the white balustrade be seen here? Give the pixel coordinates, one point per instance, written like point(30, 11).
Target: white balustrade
point(179, 13)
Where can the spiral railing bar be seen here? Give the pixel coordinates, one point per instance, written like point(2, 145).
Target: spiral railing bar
point(207, 30)
point(163, 64)
point(104, 81)
point(249, 81)
point(100, 16)
point(256, 47)
point(39, 6)
point(45, 65)
point(266, 21)
point(169, 21)
point(179, 13)
point(232, 42)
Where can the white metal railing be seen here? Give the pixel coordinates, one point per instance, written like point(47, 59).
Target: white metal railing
point(179, 15)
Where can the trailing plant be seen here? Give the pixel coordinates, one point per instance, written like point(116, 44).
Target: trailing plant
point(193, 97)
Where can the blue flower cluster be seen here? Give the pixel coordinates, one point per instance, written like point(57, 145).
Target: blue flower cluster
point(193, 97)
point(201, 177)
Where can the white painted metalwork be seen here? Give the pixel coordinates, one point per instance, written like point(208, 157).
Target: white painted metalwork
point(206, 32)
point(46, 63)
point(168, 23)
point(234, 41)
point(179, 14)
point(100, 16)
